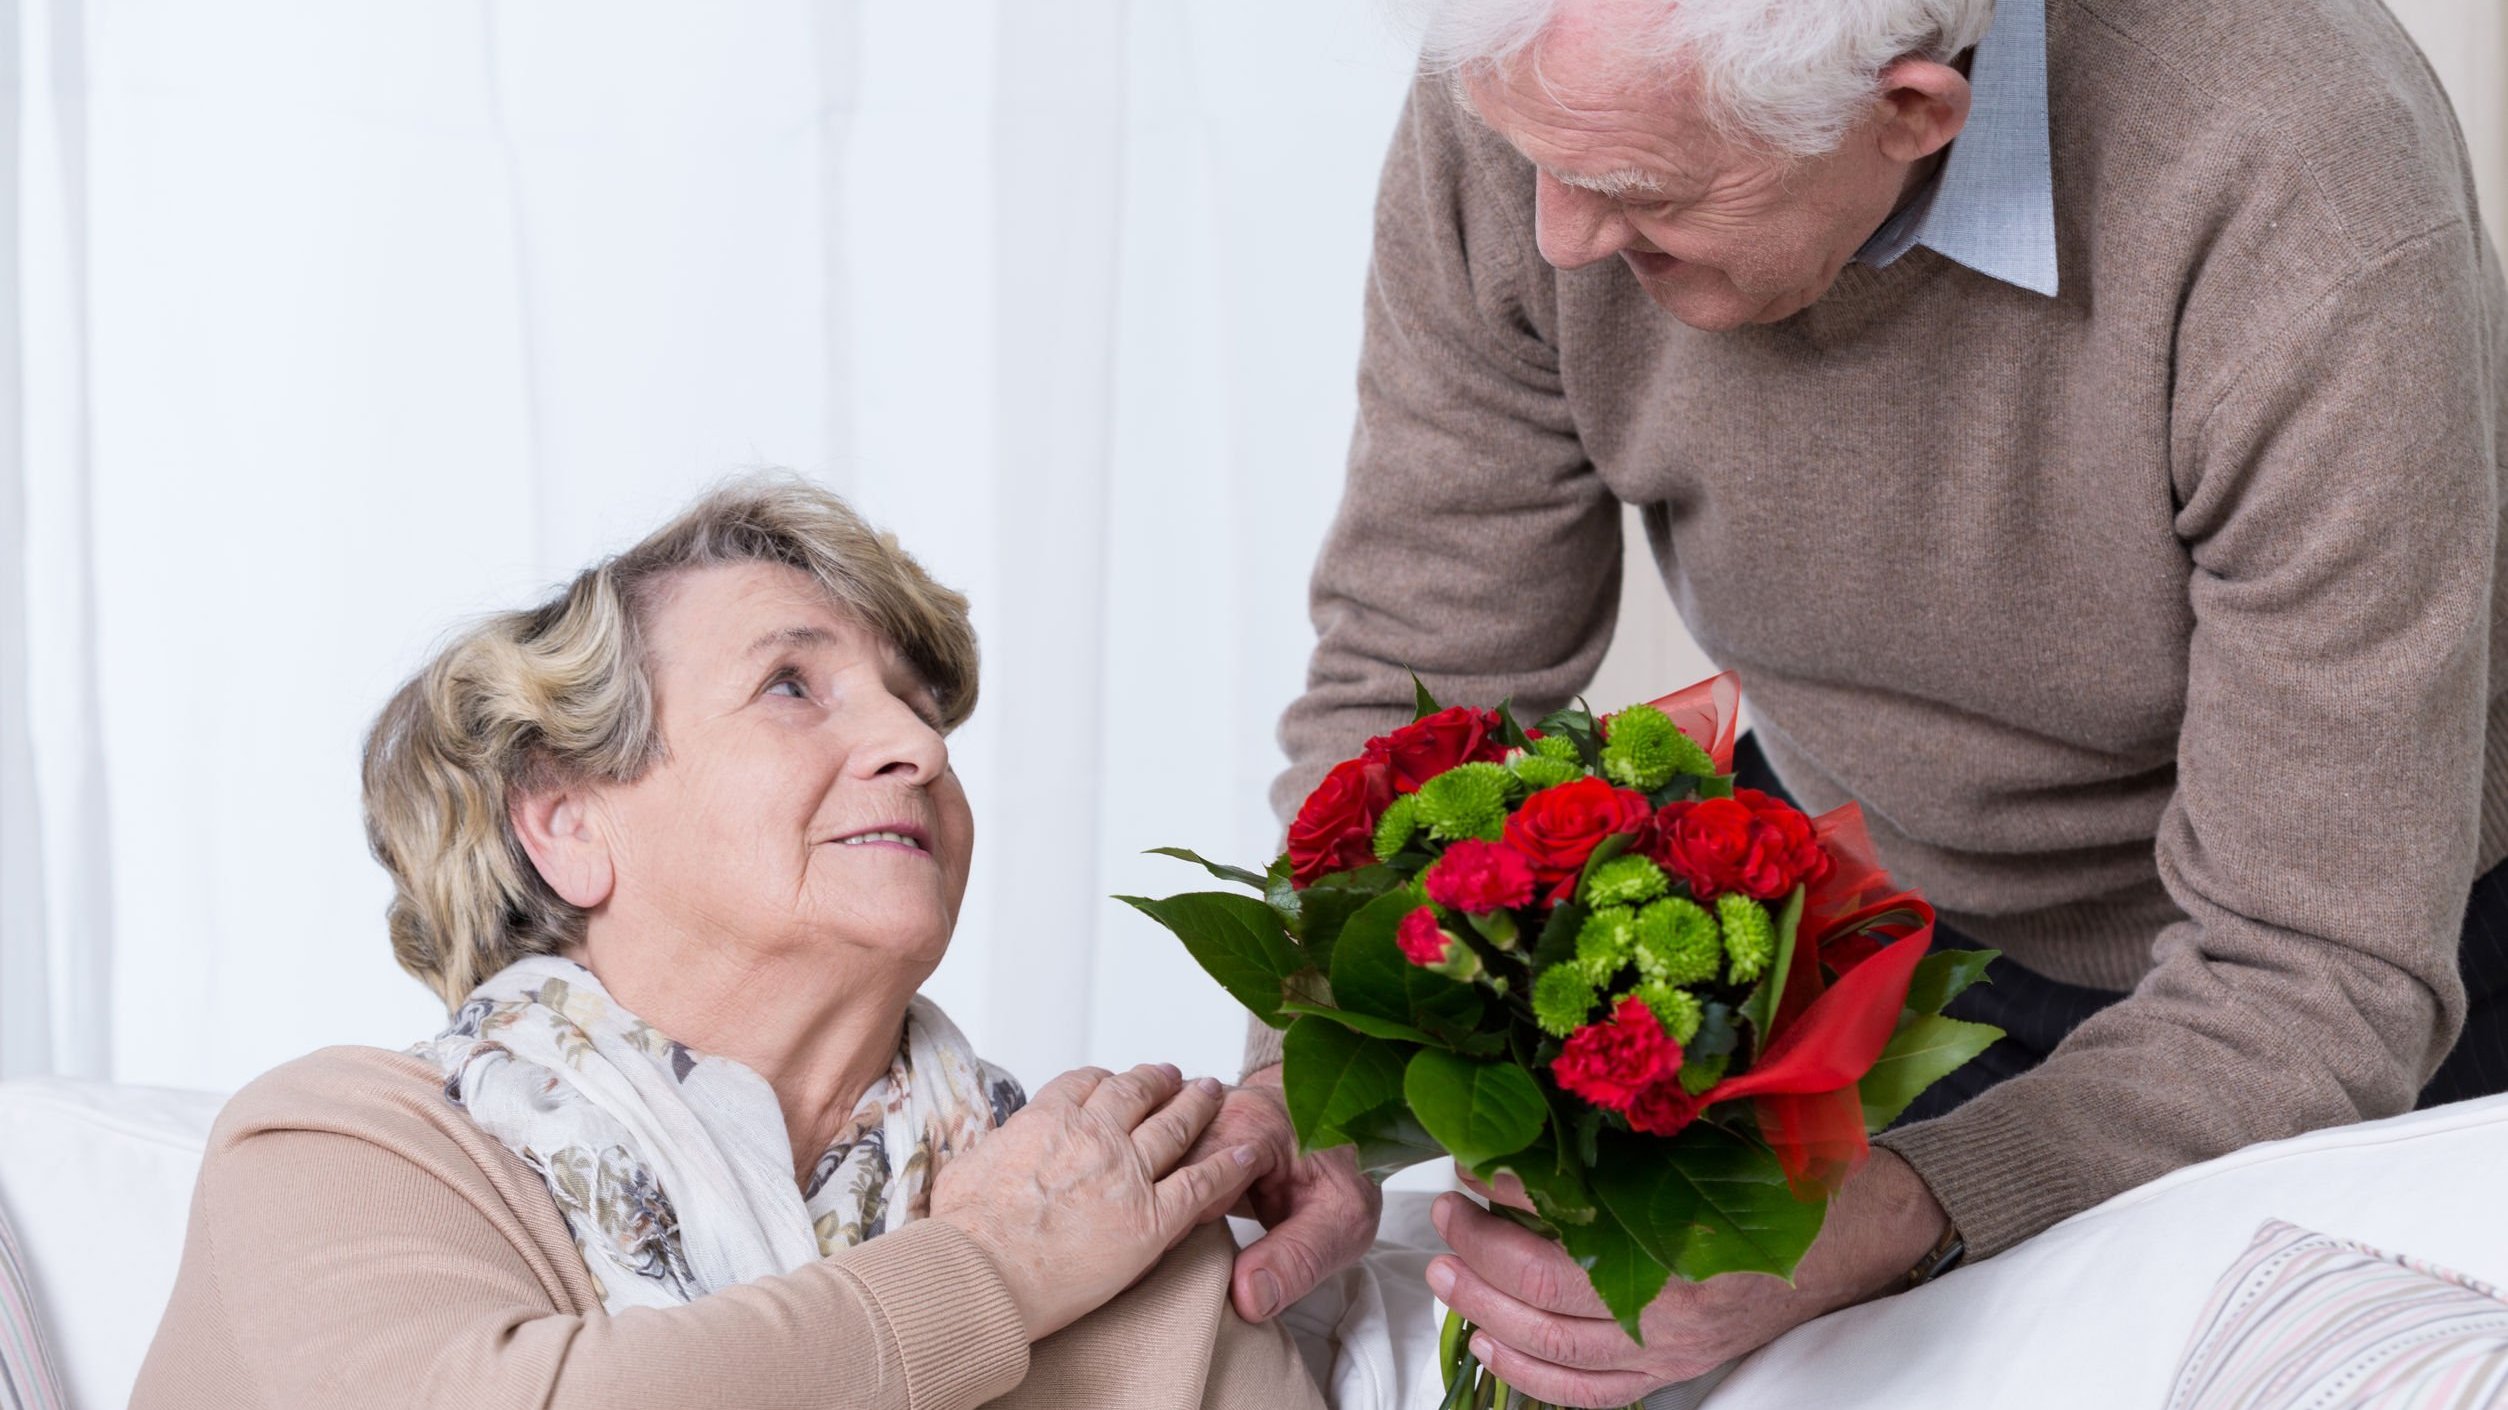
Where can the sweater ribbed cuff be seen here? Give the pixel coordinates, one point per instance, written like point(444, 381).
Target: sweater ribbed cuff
point(1262, 1046)
point(1996, 1176)
point(946, 1310)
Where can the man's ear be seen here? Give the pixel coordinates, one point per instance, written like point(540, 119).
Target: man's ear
point(562, 832)
point(1924, 104)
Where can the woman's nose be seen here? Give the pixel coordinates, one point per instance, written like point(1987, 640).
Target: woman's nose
point(1575, 227)
point(901, 745)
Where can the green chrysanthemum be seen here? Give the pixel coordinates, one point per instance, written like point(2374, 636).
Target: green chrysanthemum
point(1749, 935)
point(1645, 750)
point(1624, 881)
point(1540, 771)
point(1562, 1000)
point(1676, 1009)
point(1604, 945)
point(1394, 829)
point(1468, 800)
point(1561, 748)
point(1676, 942)
point(1700, 1073)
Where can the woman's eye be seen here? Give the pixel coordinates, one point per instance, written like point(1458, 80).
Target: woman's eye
point(788, 685)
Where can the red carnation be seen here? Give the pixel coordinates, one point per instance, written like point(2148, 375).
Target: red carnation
point(1664, 1108)
point(1558, 828)
point(1335, 828)
point(1760, 846)
point(1614, 1063)
point(1419, 938)
point(1432, 744)
point(1477, 877)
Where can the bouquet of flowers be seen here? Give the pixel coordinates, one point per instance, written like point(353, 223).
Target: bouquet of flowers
point(1575, 953)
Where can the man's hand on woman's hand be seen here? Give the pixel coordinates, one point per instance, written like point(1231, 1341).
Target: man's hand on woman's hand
point(1318, 1212)
point(1079, 1193)
point(1543, 1331)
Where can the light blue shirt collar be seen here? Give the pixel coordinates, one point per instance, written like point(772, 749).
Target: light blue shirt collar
point(1992, 205)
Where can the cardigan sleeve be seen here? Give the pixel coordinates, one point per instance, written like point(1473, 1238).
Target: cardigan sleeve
point(325, 1267)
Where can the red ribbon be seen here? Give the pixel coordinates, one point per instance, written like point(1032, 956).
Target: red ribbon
point(1708, 712)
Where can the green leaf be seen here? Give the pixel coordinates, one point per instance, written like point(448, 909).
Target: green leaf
point(1624, 1275)
point(1926, 1048)
point(1330, 1074)
point(1941, 976)
point(1712, 1203)
point(1510, 733)
point(1760, 1009)
point(1556, 1186)
point(1236, 939)
point(1239, 875)
point(1366, 1023)
point(1370, 975)
point(1558, 936)
point(1390, 1138)
point(1325, 907)
point(1423, 704)
point(1716, 786)
point(1576, 722)
point(1477, 1110)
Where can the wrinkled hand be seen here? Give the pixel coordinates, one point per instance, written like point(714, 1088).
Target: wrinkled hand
point(1079, 1193)
point(1543, 1331)
point(1318, 1212)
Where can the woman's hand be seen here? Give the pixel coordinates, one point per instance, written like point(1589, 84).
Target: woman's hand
point(1081, 1191)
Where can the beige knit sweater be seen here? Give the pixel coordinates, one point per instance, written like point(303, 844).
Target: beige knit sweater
point(357, 1242)
point(2153, 625)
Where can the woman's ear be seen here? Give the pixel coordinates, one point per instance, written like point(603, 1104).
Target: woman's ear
point(561, 832)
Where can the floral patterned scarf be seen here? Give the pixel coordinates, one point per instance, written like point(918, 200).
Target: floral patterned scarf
point(673, 1168)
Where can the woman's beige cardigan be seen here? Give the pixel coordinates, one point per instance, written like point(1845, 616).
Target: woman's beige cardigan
point(356, 1242)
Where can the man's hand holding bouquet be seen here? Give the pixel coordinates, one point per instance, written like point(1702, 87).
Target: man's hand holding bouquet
point(1576, 955)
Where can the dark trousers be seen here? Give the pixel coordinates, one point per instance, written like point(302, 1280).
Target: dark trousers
point(2035, 1013)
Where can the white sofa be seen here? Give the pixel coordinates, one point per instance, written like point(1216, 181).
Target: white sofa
point(97, 1179)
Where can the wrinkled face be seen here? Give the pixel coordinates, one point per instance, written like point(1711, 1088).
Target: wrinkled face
point(806, 803)
point(1718, 235)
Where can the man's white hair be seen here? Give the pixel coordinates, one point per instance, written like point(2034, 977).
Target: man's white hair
point(1793, 75)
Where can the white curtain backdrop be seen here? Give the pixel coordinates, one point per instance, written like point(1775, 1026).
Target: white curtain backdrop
point(337, 323)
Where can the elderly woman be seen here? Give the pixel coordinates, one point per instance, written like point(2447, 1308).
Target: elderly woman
point(677, 847)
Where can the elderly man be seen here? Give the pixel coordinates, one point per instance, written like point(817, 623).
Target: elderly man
point(2080, 422)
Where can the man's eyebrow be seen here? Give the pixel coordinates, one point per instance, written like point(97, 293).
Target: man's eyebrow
point(1618, 185)
point(790, 638)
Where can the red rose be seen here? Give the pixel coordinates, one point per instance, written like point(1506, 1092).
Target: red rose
point(1760, 846)
point(1613, 1063)
point(1477, 877)
point(1335, 828)
point(1432, 744)
point(1421, 942)
point(1558, 828)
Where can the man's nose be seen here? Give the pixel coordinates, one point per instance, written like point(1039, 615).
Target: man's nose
point(1575, 227)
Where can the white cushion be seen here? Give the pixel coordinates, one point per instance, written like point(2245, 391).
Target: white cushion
point(97, 1181)
point(2096, 1311)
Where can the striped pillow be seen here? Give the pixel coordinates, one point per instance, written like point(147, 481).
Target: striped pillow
point(27, 1381)
point(2306, 1320)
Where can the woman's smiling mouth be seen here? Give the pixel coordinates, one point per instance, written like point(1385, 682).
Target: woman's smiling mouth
point(887, 837)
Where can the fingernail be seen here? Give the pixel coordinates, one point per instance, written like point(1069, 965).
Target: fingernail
point(1174, 1073)
point(1481, 1348)
point(1441, 1279)
point(1207, 1086)
point(1245, 1155)
point(1266, 1293)
point(1441, 1211)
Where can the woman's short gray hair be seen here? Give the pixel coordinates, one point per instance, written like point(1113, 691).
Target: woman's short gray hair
point(562, 692)
point(1792, 75)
